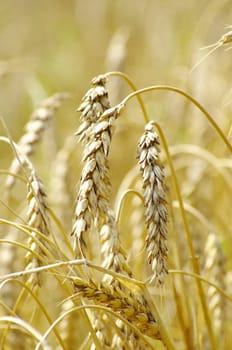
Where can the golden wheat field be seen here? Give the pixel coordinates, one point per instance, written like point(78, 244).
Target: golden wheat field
point(115, 175)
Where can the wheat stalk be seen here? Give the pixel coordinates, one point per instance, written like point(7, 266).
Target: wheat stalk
point(156, 212)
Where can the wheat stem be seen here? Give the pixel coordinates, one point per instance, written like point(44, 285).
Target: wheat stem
point(203, 279)
point(134, 88)
point(189, 240)
point(190, 98)
point(122, 199)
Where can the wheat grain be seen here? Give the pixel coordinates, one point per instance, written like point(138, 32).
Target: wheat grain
point(156, 212)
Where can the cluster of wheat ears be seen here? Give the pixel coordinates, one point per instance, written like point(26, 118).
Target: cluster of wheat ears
point(84, 289)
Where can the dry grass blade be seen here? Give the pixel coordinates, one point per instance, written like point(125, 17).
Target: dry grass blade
point(156, 212)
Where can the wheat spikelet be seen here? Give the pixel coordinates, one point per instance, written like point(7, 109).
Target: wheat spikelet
point(37, 219)
point(34, 130)
point(156, 212)
point(132, 307)
point(94, 103)
point(214, 271)
point(95, 188)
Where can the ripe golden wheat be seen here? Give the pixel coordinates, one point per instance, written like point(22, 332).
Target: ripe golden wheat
point(80, 278)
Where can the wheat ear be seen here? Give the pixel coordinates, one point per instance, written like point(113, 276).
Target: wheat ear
point(95, 188)
point(38, 220)
point(34, 130)
point(156, 212)
point(132, 307)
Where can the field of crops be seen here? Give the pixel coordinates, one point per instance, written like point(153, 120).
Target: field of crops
point(115, 175)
